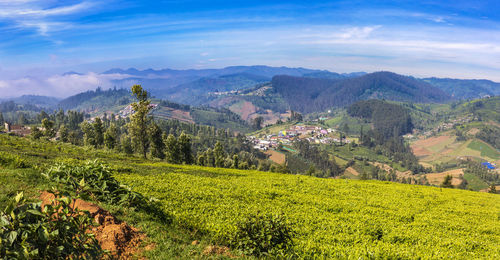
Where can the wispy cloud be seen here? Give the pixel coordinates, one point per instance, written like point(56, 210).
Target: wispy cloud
point(36, 14)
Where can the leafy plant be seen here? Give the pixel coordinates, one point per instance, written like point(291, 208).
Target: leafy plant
point(260, 235)
point(93, 180)
point(12, 161)
point(29, 231)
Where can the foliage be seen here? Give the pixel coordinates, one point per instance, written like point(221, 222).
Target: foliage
point(140, 121)
point(332, 218)
point(58, 230)
point(12, 161)
point(93, 180)
point(264, 235)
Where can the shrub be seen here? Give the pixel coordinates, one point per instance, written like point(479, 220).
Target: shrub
point(93, 180)
point(57, 231)
point(262, 235)
point(12, 161)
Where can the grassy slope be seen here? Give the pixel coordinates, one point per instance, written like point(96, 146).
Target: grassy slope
point(333, 218)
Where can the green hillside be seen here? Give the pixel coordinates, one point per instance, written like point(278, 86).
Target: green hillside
point(330, 218)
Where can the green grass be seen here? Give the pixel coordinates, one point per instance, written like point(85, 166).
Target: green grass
point(333, 218)
point(474, 182)
point(485, 149)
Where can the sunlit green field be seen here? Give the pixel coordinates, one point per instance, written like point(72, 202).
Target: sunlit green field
point(333, 218)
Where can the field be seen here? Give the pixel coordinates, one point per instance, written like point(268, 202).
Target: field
point(332, 218)
point(445, 148)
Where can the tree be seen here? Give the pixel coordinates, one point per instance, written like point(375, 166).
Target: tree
point(345, 128)
point(98, 131)
point(36, 133)
point(111, 136)
point(184, 143)
point(257, 122)
point(126, 144)
point(447, 182)
point(492, 189)
point(311, 171)
point(172, 149)
point(219, 155)
point(48, 126)
point(139, 120)
point(236, 161)
point(1, 119)
point(157, 144)
point(64, 133)
point(88, 134)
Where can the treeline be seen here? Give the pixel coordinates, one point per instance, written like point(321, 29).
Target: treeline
point(112, 96)
point(170, 140)
point(390, 122)
point(324, 166)
point(490, 134)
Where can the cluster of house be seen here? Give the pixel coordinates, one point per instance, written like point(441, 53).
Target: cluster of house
point(313, 134)
point(17, 129)
point(450, 124)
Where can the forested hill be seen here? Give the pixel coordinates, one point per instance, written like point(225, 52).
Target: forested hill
point(95, 99)
point(317, 94)
point(466, 88)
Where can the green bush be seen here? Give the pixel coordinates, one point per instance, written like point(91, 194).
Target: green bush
point(264, 235)
point(93, 180)
point(12, 161)
point(57, 231)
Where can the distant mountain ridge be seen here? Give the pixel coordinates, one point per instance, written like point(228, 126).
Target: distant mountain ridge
point(466, 88)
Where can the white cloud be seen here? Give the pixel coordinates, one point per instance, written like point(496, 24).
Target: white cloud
point(57, 85)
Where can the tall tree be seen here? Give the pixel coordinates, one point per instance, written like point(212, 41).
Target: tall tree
point(184, 143)
point(99, 131)
point(172, 149)
point(257, 122)
point(111, 136)
point(48, 126)
point(219, 155)
point(157, 144)
point(139, 120)
point(64, 132)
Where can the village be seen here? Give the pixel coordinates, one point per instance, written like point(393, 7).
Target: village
point(313, 134)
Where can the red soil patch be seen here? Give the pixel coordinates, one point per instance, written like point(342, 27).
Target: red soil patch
point(276, 157)
point(420, 151)
point(247, 108)
point(352, 171)
point(113, 235)
point(432, 141)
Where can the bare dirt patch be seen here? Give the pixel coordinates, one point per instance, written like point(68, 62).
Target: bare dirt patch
point(420, 151)
point(218, 250)
point(276, 157)
point(352, 171)
point(425, 143)
point(438, 178)
point(113, 235)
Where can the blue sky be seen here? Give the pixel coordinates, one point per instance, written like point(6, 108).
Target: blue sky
point(41, 39)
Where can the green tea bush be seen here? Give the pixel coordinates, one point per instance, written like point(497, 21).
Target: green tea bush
point(93, 180)
point(28, 231)
point(12, 161)
point(264, 235)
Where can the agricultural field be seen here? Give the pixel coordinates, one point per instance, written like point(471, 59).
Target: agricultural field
point(445, 148)
point(330, 218)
